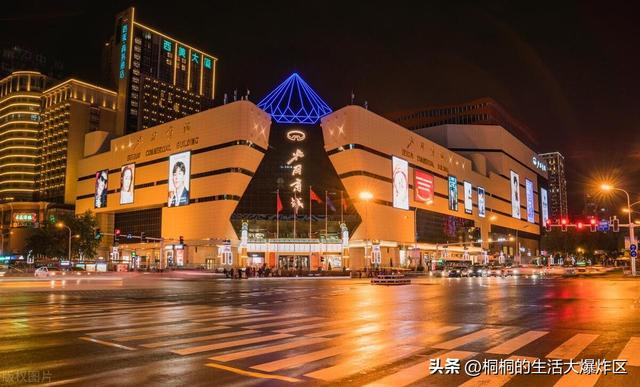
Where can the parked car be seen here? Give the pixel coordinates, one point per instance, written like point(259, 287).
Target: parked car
point(44, 272)
point(452, 272)
point(495, 271)
point(515, 270)
point(477, 271)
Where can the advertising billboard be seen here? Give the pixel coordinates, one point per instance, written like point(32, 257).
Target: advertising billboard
point(400, 183)
point(423, 183)
point(179, 174)
point(100, 196)
point(530, 209)
point(545, 205)
point(453, 193)
point(468, 198)
point(127, 181)
point(515, 195)
point(482, 211)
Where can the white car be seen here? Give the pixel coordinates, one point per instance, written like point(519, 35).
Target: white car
point(44, 272)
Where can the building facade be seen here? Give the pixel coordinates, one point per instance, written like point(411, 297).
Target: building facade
point(157, 78)
point(557, 186)
point(69, 111)
point(20, 59)
point(291, 184)
point(20, 98)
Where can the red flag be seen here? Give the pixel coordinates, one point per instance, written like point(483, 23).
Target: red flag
point(279, 206)
point(344, 204)
point(314, 197)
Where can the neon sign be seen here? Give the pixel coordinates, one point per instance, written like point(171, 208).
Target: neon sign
point(207, 63)
point(123, 49)
point(296, 135)
point(539, 164)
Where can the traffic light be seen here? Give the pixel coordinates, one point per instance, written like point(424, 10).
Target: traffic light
point(580, 226)
point(116, 235)
point(52, 219)
point(563, 225)
point(181, 240)
point(547, 225)
point(98, 234)
point(615, 224)
point(592, 225)
point(143, 238)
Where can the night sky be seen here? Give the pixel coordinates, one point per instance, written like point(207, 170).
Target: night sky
point(569, 70)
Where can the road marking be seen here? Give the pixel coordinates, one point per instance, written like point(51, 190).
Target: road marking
point(517, 342)
point(312, 326)
point(418, 371)
point(232, 316)
point(259, 375)
point(199, 338)
point(270, 349)
point(279, 323)
point(631, 352)
point(229, 344)
point(295, 361)
point(142, 329)
point(107, 343)
point(257, 319)
point(571, 348)
point(572, 379)
point(490, 380)
point(124, 339)
point(460, 341)
point(365, 360)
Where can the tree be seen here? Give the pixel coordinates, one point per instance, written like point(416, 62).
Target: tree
point(46, 241)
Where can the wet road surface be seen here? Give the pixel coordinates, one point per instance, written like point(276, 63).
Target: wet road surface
point(152, 331)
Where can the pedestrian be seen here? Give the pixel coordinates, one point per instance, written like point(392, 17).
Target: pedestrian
point(226, 273)
point(231, 273)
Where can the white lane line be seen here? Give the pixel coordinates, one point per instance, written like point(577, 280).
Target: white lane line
point(571, 348)
point(512, 345)
point(631, 352)
point(198, 339)
point(281, 323)
point(460, 341)
point(107, 343)
point(164, 333)
point(229, 344)
point(244, 354)
point(490, 380)
point(418, 371)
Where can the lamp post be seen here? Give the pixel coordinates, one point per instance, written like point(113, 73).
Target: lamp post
point(366, 196)
point(607, 187)
point(61, 225)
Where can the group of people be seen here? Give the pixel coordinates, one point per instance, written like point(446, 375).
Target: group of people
point(247, 272)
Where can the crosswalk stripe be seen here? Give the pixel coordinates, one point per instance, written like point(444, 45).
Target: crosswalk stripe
point(357, 330)
point(254, 374)
point(418, 371)
point(309, 327)
point(199, 338)
point(280, 323)
point(365, 360)
point(244, 354)
point(121, 332)
point(573, 379)
point(571, 348)
point(294, 361)
point(631, 352)
point(257, 319)
point(229, 344)
point(240, 315)
point(517, 342)
point(460, 341)
point(490, 380)
point(124, 339)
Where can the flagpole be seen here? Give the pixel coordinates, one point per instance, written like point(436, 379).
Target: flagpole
point(341, 208)
point(309, 212)
point(326, 214)
point(277, 215)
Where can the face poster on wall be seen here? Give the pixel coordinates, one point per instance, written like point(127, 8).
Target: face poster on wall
point(515, 195)
point(453, 193)
point(400, 183)
point(529, 190)
point(127, 179)
point(468, 198)
point(100, 198)
point(423, 186)
point(179, 173)
point(545, 205)
point(481, 203)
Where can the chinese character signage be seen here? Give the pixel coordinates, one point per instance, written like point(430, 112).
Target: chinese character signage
point(453, 193)
point(468, 198)
point(179, 174)
point(482, 202)
point(529, 190)
point(515, 195)
point(423, 186)
point(400, 183)
point(124, 36)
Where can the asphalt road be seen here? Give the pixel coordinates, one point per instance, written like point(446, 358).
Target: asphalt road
point(144, 330)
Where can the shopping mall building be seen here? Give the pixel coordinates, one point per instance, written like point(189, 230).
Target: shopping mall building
point(291, 183)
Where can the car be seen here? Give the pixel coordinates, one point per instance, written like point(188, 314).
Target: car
point(515, 270)
point(477, 271)
point(44, 272)
point(495, 271)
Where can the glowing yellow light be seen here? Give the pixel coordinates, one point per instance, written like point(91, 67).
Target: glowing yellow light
point(366, 195)
point(81, 83)
point(606, 187)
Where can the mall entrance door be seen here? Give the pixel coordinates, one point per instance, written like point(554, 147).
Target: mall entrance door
point(294, 262)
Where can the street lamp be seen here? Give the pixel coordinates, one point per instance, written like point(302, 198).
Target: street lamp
point(366, 196)
point(62, 225)
point(607, 187)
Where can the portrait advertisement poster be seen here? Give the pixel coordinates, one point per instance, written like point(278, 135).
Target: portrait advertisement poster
point(545, 205)
point(127, 181)
point(453, 193)
point(481, 203)
point(400, 183)
point(468, 198)
point(423, 186)
point(515, 195)
point(179, 173)
point(529, 191)
point(100, 198)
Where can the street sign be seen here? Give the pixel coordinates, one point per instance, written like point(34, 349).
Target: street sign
point(633, 247)
point(633, 250)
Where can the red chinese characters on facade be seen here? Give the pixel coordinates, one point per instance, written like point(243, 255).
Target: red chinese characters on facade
point(423, 186)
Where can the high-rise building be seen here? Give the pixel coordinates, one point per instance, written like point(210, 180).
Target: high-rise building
point(19, 59)
point(557, 185)
point(157, 78)
point(20, 95)
point(69, 111)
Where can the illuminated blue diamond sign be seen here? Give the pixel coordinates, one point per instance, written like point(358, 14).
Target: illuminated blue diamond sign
point(294, 102)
